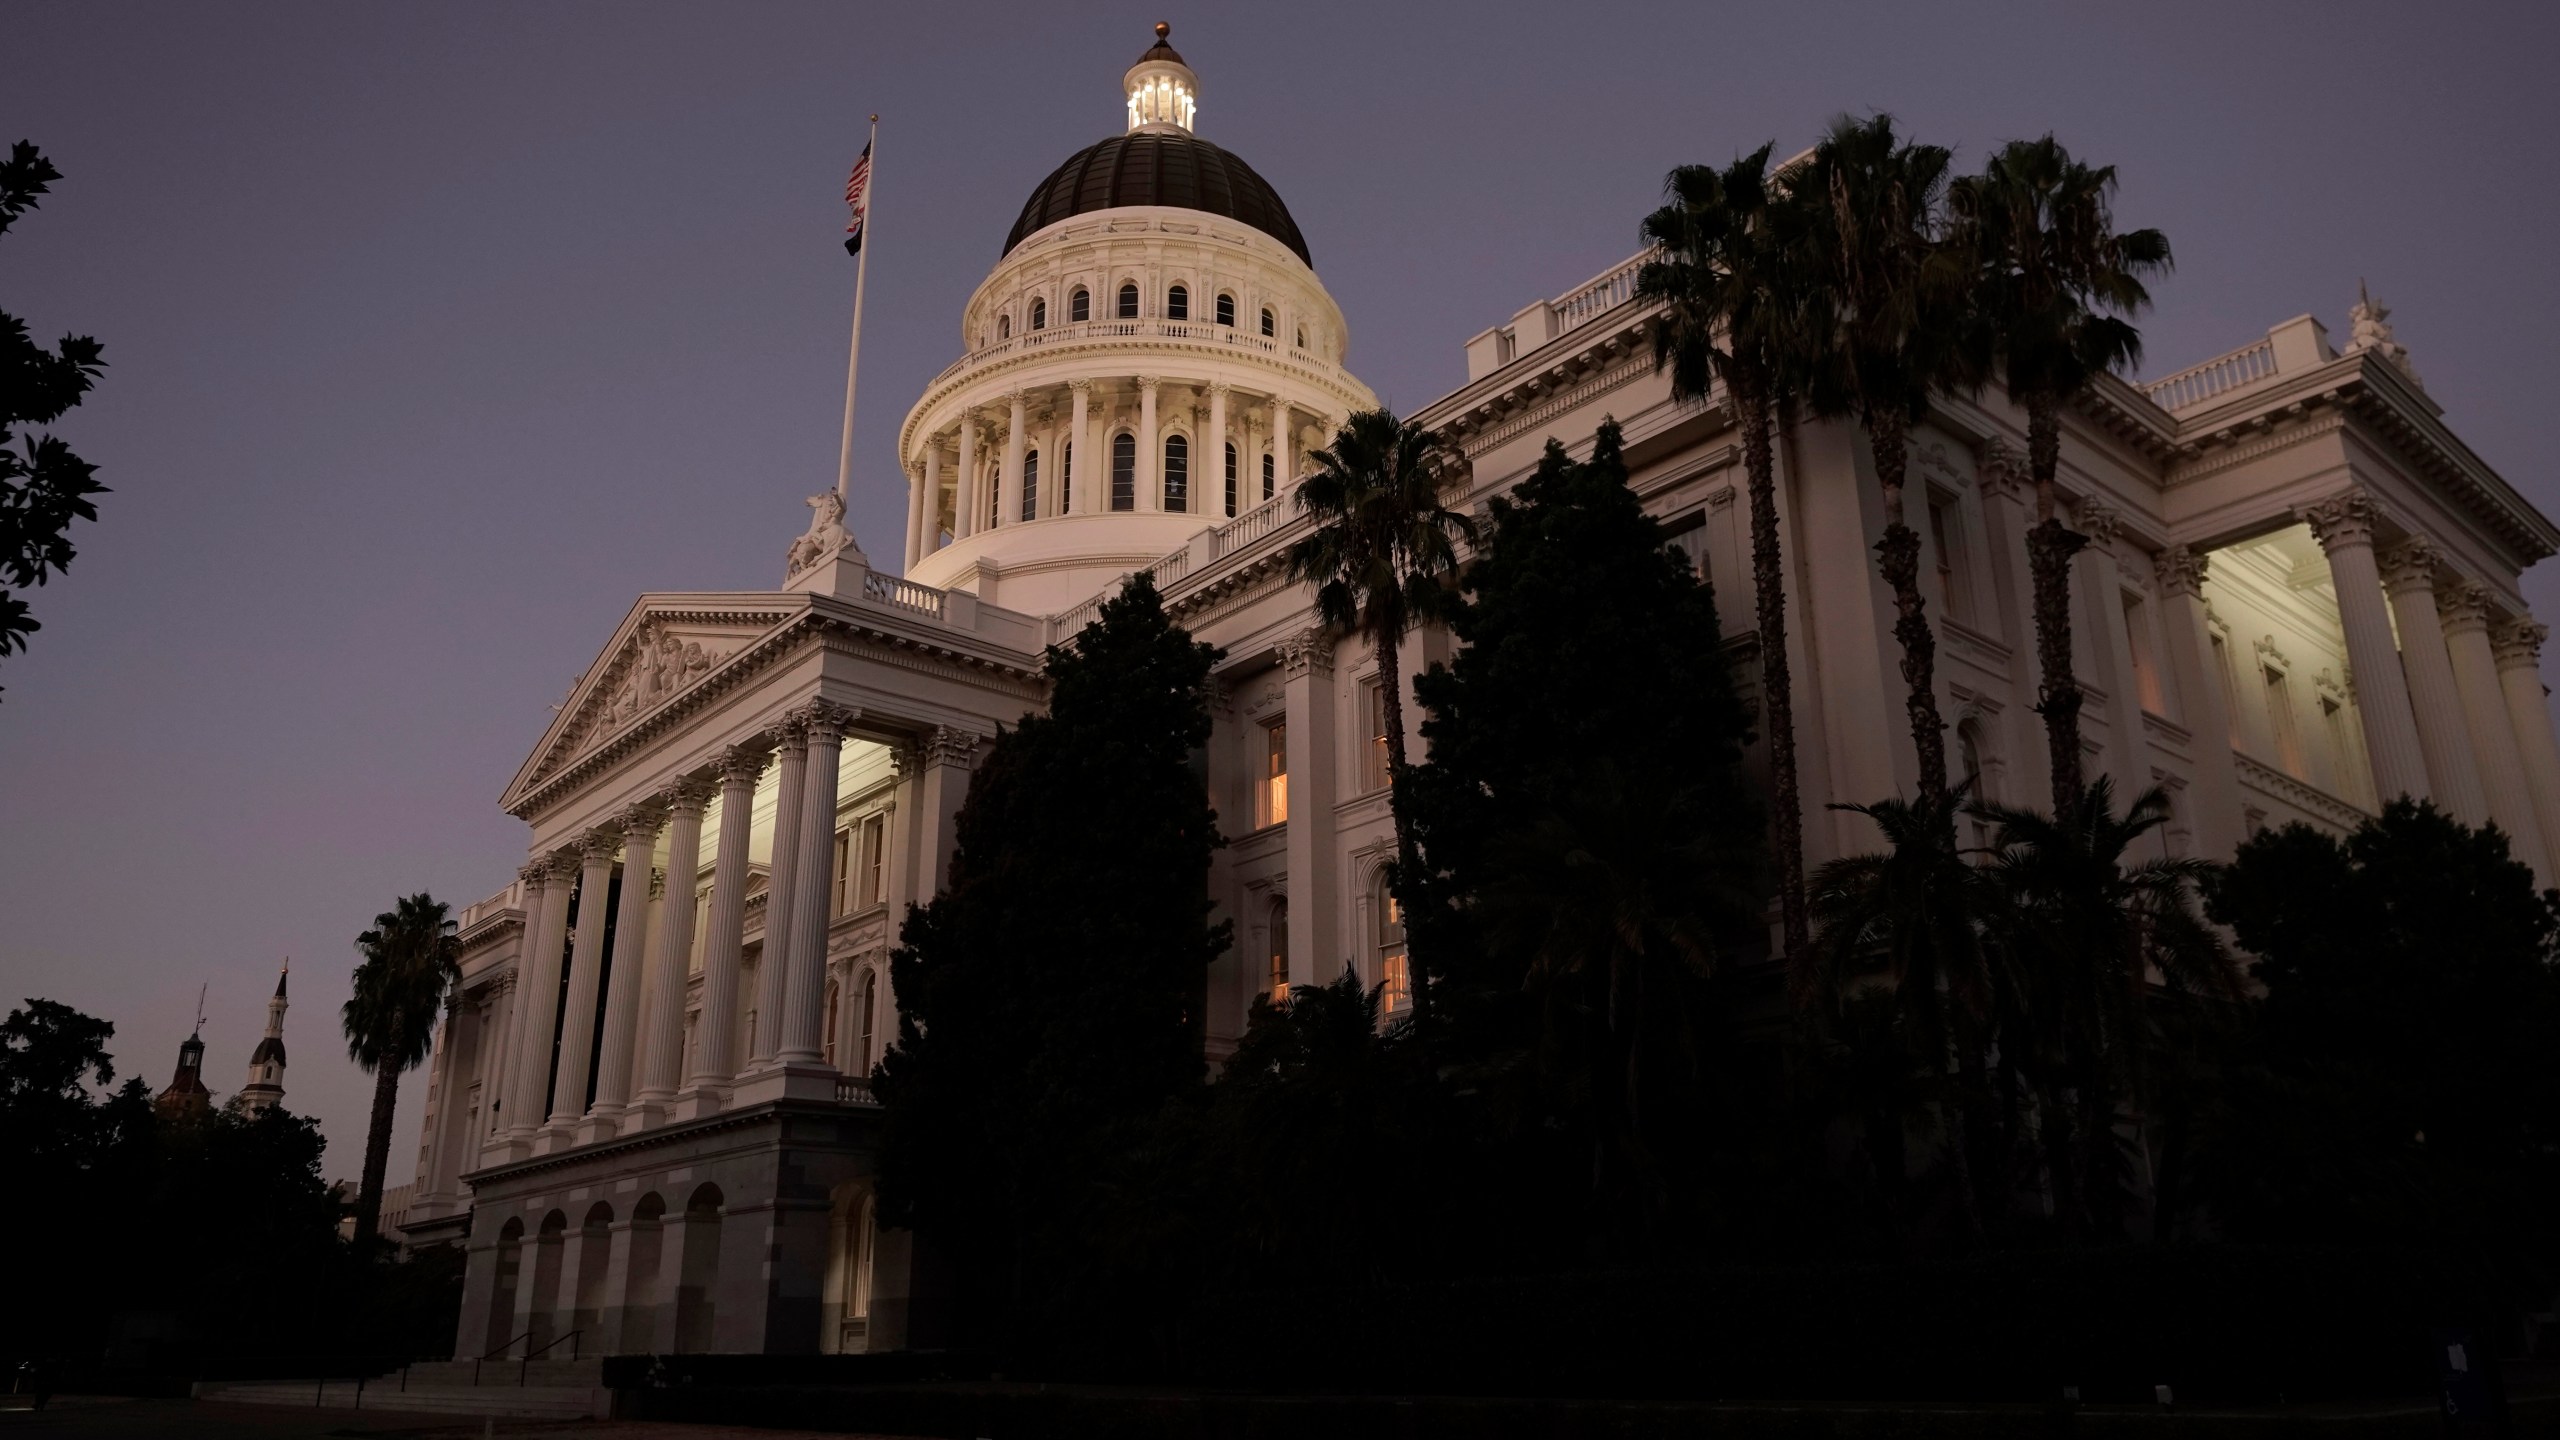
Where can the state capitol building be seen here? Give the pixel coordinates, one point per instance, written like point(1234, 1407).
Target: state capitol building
point(648, 1117)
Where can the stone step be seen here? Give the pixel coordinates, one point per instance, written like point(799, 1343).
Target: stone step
point(587, 1372)
point(547, 1402)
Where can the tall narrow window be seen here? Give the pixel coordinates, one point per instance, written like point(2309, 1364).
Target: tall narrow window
point(1395, 978)
point(1373, 721)
point(1270, 476)
point(1271, 776)
point(867, 1018)
point(1004, 327)
point(1270, 324)
point(1031, 485)
point(1177, 474)
point(1231, 479)
point(2230, 684)
point(1177, 304)
point(2280, 711)
point(2333, 725)
point(2137, 639)
point(1227, 311)
point(1969, 772)
point(1129, 301)
point(1687, 534)
point(827, 1037)
point(1066, 477)
point(1080, 306)
point(875, 859)
point(1302, 337)
point(1039, 313)
point(836, 896)
point(1946, 538)
point(1277, 986)
point(1124, 471)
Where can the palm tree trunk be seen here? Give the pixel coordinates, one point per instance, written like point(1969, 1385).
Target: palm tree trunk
point(1391, 702)
point(1898, 557)
point(1777, 688)
point(2049, 551)
point(377, 1146)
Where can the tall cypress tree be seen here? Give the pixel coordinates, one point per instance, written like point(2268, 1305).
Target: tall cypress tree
point(1590, 851)
point(1049, 998)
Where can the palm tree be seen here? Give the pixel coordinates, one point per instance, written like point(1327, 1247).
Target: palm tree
point(1919, 905)
point(1887, 333)
point(1382, 544)
point(411, 959)
point(2052, 282)
point(2083, 928)
point(1726, 278)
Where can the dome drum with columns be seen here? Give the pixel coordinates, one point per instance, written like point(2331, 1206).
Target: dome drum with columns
point(1152, 355)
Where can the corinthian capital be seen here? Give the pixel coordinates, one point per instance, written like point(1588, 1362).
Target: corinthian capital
point(2345, 518)
point(2181, 570)
point(2003, 474)
point(535, 873)
point(745, 762)
point(691, 793)
point(946, 746)
point(2098, 520)
point(642, 822)
point(2519, 642)
point(2463, 606)
point(824, 719)
point(1309, 652)
point(2411, 564)
point(601, 843)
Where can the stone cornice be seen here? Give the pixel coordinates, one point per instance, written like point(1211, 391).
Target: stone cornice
point(772, 1111)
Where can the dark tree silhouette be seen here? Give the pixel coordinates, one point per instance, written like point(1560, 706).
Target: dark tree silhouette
point(43, 485)
point(411, 959)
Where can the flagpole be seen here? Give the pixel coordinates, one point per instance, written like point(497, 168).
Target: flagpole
point(853, 359)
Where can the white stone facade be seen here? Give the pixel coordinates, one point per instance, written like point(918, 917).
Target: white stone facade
point(2301, 597)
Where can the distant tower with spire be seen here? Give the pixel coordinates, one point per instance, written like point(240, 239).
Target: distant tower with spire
point(186, 1094)
point(265, 1089)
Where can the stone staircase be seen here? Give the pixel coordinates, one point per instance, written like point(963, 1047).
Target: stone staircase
point(515, 1389)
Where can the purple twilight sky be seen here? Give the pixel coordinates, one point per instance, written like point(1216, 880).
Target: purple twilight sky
point(439, 333)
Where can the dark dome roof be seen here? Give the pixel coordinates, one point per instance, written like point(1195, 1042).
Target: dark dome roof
point(1180, 170)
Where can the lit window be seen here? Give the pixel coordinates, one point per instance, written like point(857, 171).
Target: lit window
point(1227, 311)
point(1177, 304)
point(1031, 485)
point(1231, 479)
point(1080, 306)
point(1270, 323)
point(1687, 534)
point(868, 1018)
point(1129, 301)
point(1124, 471)
point(2137, 636)
point(1946, 538)
point(1271, 776)
point(875, 859)
point(1177, 474)
point(1395, 976)
point(844, 867)
point(1270, 473)
point(1277, 987)
point(1039, 314)
point(1373, 715)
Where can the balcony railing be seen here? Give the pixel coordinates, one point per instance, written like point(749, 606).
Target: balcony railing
point(1601, 294)
point(1197, 331)
point(2198, 383)
point(904, 594)
point(1252, 525)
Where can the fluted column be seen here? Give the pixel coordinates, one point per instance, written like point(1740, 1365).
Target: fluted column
point(661, 1050)
point(1212, 464)
point(2344, 525)
point(586, 966)
point(1309, 711)
point(966, 512)
point(1283, 464)
point(781, 892)
point(715, 1052)
point(2465, 606)
point(917, 505)
point(495, 1062)
point(1085, 462)
point(2444, 736)
point(931, 539)
point(627, 971)
point(804, 1000)
point(2213, 802)
point(537, 1001)
point(2518, 647)
point(1009, 484)
point(1150, 463)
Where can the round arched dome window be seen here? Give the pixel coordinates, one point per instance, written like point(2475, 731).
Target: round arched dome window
point(1227, 311)
point(1080, 306)
point(1177, 304)
point(1004, 328)
point(1128, 300)
point(1039, 313)
point(1270, 325)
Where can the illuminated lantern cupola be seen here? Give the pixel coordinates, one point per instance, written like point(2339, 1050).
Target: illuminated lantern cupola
point(1164, 95)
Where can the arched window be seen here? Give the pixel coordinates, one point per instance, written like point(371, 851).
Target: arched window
point(1177, 474)
point(1177, 304)
point(1004, 327)
point(1039, 313)
point(1124, 471)
point(1270, 475)
point(1066, 476)
point(1395, 978)
point(1277, 986)
point(1302, 337)
point(1080, 306)
point(1129, 300)
point(1031, 485)
point(835, 1008)
point(1270, 325)
point(867, 1017)
point(1227, 311)
point(1231, 479)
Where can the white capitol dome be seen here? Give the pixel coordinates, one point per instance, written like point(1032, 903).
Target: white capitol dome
point(1150, 357)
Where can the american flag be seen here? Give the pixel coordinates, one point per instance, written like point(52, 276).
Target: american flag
point(857, 195)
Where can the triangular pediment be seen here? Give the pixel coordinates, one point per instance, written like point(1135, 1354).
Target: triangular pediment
point(665, 647)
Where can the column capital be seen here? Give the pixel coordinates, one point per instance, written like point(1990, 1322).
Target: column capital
point(535, 873)
point(790, 731)
point(2463, 606)
point(1219, 389)
point(2098, 520)
point(1148, 383)
point(2181, 570)
point(1014, 397)
point(745, 762)
point(2519, 642)
point(2345, 518)
point(688, 795)
point(824, 718)
point(641, 822)
point(2409, 565)
point(1309, 652)
point(2000, 471)
point(915, 471)
point(1081, 386)
point(946, 746)
point(598, 845)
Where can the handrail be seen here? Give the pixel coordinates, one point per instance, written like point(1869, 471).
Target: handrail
point(2198, 383)
point(524, 1367)
point(506, 1345)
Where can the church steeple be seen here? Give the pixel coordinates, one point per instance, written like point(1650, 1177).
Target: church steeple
point(186, 1094)
point(265, 1089)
